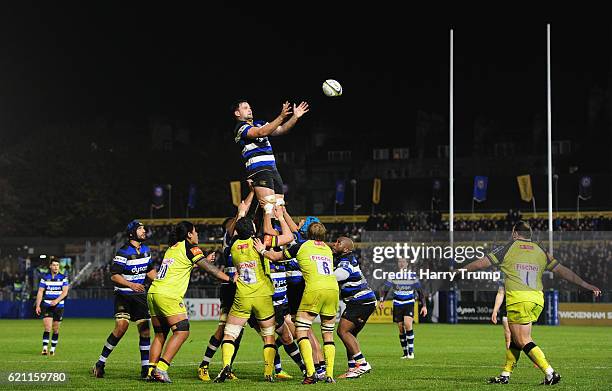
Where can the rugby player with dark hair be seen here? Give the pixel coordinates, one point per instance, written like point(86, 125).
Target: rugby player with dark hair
point(52, 290)
point(227, 292)
point(252, 136)
point(165, 296)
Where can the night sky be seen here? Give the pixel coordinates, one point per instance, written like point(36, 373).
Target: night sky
point(65, 63)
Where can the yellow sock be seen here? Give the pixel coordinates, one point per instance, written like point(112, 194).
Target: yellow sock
point(329, 351)
point(306, 352)
point(152, 365)
point(269, 352)
point(162, 366)
point(227, 351)
point(512, 356)
point(537, 356)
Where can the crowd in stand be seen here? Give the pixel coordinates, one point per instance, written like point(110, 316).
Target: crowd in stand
point(589, 260)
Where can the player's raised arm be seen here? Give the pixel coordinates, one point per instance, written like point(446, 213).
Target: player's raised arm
point(269, 128)
point(569, 275)
point(286, 236)
point(292, 225)
point(267, 221)
point(298, 112)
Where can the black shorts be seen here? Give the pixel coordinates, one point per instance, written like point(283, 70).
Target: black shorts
point(358, 314)
point(399, 311)
point(131, 307)
point(52, 312)
point(294, 295)
point(227, 292)
point(268, 178)
point(280, 311)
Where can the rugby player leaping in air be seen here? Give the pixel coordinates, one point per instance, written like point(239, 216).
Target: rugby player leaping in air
point(252, 136)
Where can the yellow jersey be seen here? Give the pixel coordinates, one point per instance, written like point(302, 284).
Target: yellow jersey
point(523, 262)
point(175, 270)
point(253, 270)
point(316, 262)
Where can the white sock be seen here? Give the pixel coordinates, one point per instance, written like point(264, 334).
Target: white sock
point(549, 372)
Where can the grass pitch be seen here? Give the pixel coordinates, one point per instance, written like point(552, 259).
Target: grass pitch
point(448, 357)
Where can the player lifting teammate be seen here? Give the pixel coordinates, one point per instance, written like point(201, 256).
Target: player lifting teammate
point(254, 291)
point(52, 290)
point(320, 297)
point(165, 297)
point(523, 263)
point(227, 291)
point(360, 303)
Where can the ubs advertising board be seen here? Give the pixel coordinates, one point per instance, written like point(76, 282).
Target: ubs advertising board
point(585, 314)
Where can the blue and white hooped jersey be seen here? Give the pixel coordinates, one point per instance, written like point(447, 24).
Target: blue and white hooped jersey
point(53, 286)
point(257, 153)
point(403, 290)
point(354, 289)
point(279, 279)
point(134, 264)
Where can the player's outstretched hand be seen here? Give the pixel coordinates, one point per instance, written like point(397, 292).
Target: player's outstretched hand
point(286, 110)
point(596, 291)
point(242, 209)
point(259, 246)
point(300, 109)
point(278, 213)
point(494, 317)
point(137, 287)
point(37, 310)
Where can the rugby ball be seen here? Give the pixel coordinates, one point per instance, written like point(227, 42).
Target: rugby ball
point(332, 88)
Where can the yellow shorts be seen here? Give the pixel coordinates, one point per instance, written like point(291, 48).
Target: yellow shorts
point(260, 306)
point(523, 312)
point(165, 306)
point(323, 302)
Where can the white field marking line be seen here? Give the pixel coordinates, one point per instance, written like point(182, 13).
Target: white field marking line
point(188, 364)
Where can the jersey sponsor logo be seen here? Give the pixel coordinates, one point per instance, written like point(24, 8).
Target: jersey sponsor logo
point(249, 264)
point(526, 267)
point(196, 251)
point(526, 247)
point(318, 258)
point(168, 261)
point(242, 246)
point(119, 259)
point(137, 270)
